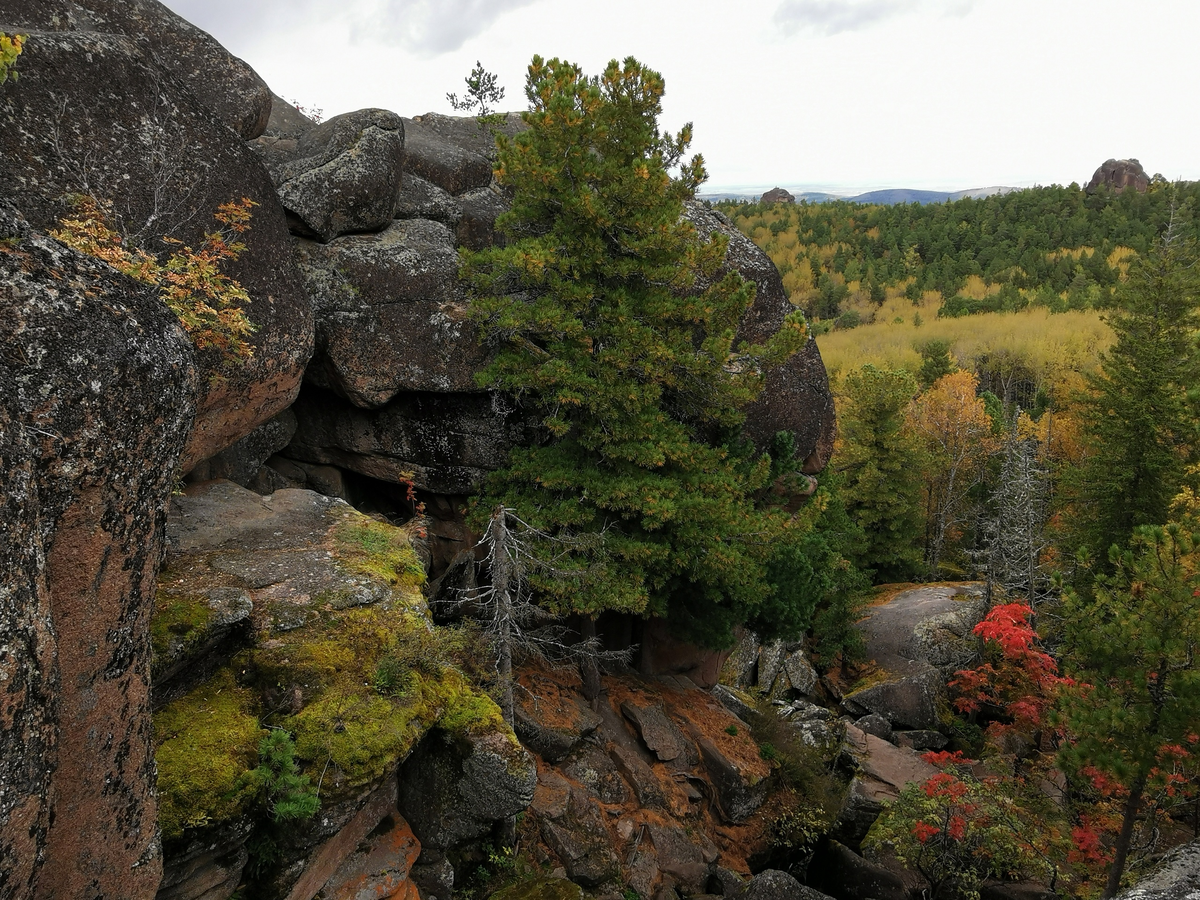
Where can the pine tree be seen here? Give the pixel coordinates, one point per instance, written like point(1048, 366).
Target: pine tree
point(597, 324)
point(1141, 418)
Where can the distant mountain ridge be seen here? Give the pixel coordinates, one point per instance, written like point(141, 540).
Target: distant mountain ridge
point(883, 197)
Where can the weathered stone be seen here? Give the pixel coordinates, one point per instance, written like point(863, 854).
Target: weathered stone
point(919, 740)
point(877, 725)
point(421, 199)
point(452, 793)
point(658, 733)
point(99, 115)
point(1176, 879)
point(97, 392)
point(796, 395)
point(679, 857)
point(581, 841)
point(777, 195)
point(208, 869)
point(194, 653)
point(908, 703)
point(471, 134)
point(241, 462)
point(438, 160)
point(725, 882)
point(476, 228)
point(740, 668)
point(738, 703)
point(434, 878)
point(1119, 174)
point(573, 720)
point(540, 889)
point(595, 770)
point(343, 175)
point(884, 771)
point(446, 443)
point(800, 672)
point(737, 796)
point(804, 711)
point(336, 861)
point(379, 867)
point(770, 664)
point(223, 83)
point(390, 314)
point(640, 777)
point(775, 885)
point(838, 870)
point(641, 871)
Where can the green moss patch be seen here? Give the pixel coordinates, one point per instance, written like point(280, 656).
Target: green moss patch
point(179, 622)
point(207, 742)
point(378, 550)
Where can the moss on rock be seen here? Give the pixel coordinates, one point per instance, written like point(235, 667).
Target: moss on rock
point(378, 550)
point(180, 620)
point(207, 742)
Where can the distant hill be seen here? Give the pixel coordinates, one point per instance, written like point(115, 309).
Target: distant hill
point(884, 197)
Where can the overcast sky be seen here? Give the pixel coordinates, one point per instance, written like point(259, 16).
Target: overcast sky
point(845, 94)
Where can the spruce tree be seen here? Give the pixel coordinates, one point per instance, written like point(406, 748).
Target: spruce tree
point(1141, 417)
point(597, 323)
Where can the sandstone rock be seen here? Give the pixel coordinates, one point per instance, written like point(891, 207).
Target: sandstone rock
point(343, 175)
point(581, 841)
point(421, 199)
point(390, 314)
point(679, 857)
point(97, 393)
point(99, 115)
point(777, 195)
point(223, 83)
point(775, 885)
point(441, 161)
point(446, 443)
point(573, 722)
point(455, 793)
point(1119, 174)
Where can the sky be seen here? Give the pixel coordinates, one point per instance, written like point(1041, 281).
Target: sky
point(840, 95)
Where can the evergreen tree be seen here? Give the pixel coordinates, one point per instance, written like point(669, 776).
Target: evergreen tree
point(597, 323)
point(881, 461)
point(1141, 418)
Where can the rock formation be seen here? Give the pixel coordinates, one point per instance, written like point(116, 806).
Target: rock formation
point(98, 389)
point(777, 195)
point(1119, 174)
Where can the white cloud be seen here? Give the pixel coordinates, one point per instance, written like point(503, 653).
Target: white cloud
point(427, 27)
point(830, 17)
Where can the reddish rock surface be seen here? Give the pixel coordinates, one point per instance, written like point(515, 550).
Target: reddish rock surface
point(97, 392)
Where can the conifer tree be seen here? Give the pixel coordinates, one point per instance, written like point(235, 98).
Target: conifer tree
point(1141, 419)
point(881, 459)
point(593, 311)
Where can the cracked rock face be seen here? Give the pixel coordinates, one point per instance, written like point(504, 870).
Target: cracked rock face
point(100, 114)
point(97, 393)
point(391, 314)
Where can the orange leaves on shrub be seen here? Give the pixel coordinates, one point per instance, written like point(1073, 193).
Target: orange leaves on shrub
point(208, 303)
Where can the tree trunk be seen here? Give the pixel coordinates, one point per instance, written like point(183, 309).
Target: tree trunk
point(500, 580)
point(1132, 806)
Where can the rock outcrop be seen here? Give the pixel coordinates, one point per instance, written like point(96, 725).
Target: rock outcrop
point(97, 392)
point(777, 195)
point(101, 114)
point(1119, 174)
point(1176, 879)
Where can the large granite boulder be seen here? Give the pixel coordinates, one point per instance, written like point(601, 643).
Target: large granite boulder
point(99, 114)
point(772, 884)
point(796, 395)
point(391, 314)
point(1176, 879)
point(225, 84)
point(1119, 174)
point(777, 195)
point(340, 176)
point(443, 160)
point(97, 393)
